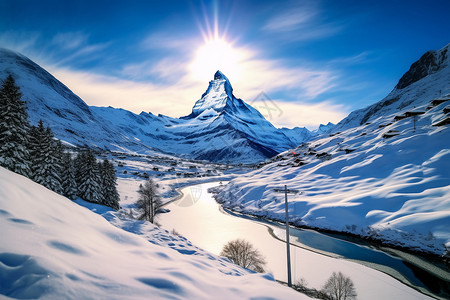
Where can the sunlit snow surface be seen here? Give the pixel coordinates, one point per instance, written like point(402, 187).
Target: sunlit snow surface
point(212, 229)
point(393, 188)
point(52, 248)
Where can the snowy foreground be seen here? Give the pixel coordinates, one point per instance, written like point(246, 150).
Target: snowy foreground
point(52, 248)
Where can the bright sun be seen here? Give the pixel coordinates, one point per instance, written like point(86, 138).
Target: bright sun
point(216, 54)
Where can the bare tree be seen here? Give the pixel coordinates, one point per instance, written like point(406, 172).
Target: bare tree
point(149, 201)
point(242, 253)
point(339, 287)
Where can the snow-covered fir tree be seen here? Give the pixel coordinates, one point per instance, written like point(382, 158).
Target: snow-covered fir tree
point(88, 177)
point(14, 128)
point(68, 182)
point(56, 163)
point(40, 153)
point(109, 190)
point(46, 157)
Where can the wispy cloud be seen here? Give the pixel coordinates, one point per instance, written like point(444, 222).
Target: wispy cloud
point(292, 19)
point(360, 58)
point(70, 40)
point(271, 75)
point(167, 40)
point(62, 49)
point(18, 40)
point(301, 21)
point(83, 53)
point(168, 69)
point(101, 90)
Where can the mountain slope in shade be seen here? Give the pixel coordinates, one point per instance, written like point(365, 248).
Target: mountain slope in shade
point(221, 127)
point(383, 172)
point(52, 248)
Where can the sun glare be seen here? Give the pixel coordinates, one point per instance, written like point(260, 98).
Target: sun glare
point(216, 54)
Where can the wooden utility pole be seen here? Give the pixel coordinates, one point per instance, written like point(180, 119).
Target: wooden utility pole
point(288, 251)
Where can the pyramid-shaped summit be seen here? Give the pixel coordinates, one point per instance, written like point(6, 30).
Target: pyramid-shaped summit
point(217, 97)
point(234, 128)
point(219, 75)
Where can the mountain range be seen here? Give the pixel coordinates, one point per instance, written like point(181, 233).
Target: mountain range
point(220, 128)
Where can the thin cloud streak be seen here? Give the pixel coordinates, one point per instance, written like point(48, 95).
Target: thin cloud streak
point(291, 19)
point(301, 22)
point(19, 41)
point(70, 40)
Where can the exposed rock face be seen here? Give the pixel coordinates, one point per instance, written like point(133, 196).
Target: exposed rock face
point(427, 79)
point(429, 63)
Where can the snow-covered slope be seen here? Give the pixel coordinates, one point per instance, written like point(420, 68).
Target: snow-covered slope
point(52, 248)
point(382, 173)
point(428, 78)
point(221, 127)
point(49, 100)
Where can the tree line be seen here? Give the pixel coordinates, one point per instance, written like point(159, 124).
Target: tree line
point(33, 151)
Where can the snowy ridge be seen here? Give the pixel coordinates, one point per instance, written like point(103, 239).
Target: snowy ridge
point(381, 173)
point(53, 248)
point(299, 135)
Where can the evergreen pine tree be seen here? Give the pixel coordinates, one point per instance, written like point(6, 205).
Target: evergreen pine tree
point(109, 191)
point(88, 178)
point(68, 181)
point(14, 127)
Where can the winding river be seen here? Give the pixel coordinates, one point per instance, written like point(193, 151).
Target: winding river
point(376, 274)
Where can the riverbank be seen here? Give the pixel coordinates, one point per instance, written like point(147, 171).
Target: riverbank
point(431, 270)
point(206, 226)
point(350, 236)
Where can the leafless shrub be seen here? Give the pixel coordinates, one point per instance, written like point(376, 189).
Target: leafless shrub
point(149, 201)
point(339, 287)
point(244, 254)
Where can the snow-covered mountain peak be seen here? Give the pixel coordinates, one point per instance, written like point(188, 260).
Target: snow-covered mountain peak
point(216, 97)
point(430, 63)
point(220, 75)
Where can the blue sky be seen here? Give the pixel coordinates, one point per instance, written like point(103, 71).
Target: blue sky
point(316, 60)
